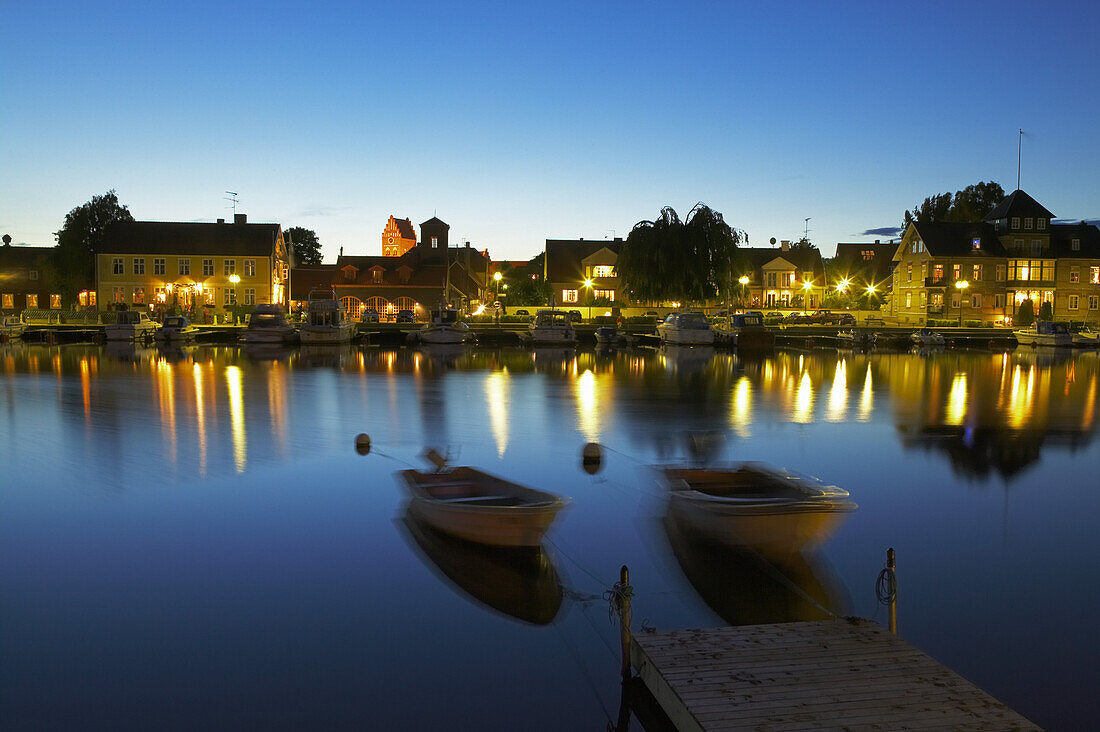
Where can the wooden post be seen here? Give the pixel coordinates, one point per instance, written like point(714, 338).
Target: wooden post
point(894, 597)
point(623, 600)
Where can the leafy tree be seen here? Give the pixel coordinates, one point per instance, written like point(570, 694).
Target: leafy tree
point(670, 259)
point(81, 237)
point(7, 240)
point(971, 204)
point(307, 247)
point(803, 244)
point(1046, 312)
point(1025, 314)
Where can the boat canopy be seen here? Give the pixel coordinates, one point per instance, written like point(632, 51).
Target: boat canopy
point(176, 321)
point(446, 316)
point(695, 321)
point(1045, 328)
point(742, 320)
point(551, 317)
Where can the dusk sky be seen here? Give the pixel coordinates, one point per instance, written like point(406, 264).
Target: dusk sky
point(516, 123)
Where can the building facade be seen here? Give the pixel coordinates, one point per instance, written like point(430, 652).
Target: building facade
point(398, 237)
point(782, 277)
point(985, 271)
point(199, 268)
point(864, 265)
point(579, 269)
point(28, 281)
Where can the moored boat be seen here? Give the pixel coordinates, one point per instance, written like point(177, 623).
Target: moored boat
point(325, 320)
point(11, 328)
point(482, 508)
point(131, 325)
point(551, 327)
point(267, 324)
point(1086, 338)
point(772, 511)
point(175, 329)
point(444, 328)
point(926, 337)
point(1043, 333)
point(854, 339)
point(686, 329)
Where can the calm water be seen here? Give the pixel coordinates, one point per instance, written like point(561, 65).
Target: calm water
point(189, 540)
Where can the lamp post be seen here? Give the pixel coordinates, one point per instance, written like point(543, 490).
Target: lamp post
point(744, 281)
point(961, 286)
point(497, 277)
point(588, 297)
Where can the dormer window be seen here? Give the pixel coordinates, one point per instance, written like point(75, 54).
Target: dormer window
point(975, 243)
point(435, 241)
point(376, 275)
point(1075, 245)
point(1029, 223)
point(1015, 222)
point(1041, 224)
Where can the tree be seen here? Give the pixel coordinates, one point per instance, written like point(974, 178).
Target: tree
point(1025, 314)
point(7, 240)
point(803, 244)
point(669, 259)
point(307, 247)
point(525, 284)
point(1046, 312)
point(971, 204)
point(81, 237)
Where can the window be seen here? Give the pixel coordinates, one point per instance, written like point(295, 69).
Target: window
point(249, 296)
point(609, 294)
point(376, 275)
point(1075, 245)
point(999, 301)
point(250, 268)
point(9, 300)
point(435, 241)
point(867, 254)
point(139, 265)
point(908, 299)
point(34, 274)
point(603, 270)
point(1015, 222)
point(158, 265)
point(1074, 274)
point(55, 302)
point(229, 266)
point(976, 300)
point(32, 300)
point(977, 272)
point(1036, 247)
point(568, 295)
point(1073, 302)
point(139, 296)
point(908, 273)
point(184, 266)
point(1017, 243)
point(160, 294)
point(1000, 273)
point(1029, 223)
point(1094, 302)
point(975, 243)
point(208, 296)
point(937, 272)
point(956, 272)
point(118, 294)
point(208, 268)
point(956, 300)
point(1094, 275)
point(229, 296)
point(1041, 224)
point(937, 299)
point(923, 299)
point(116, 265)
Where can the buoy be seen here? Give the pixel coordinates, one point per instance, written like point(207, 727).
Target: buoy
point(362, 443)
point(592, 458)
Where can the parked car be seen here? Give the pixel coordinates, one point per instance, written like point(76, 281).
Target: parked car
point(575, 316)
point(405, 316)
point(846, 319)
point(651, 314)
point(522, 312)
point(774, 314)
point(823, 316)
point(369, 315)
point(872, 320)
point(797, 319)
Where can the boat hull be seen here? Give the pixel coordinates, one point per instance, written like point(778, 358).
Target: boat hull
point(443, 335)
point(266, 336)
point(1054, 340)
point(554, 336)
point(127, 332)
point(325, 334)
point(685, 336)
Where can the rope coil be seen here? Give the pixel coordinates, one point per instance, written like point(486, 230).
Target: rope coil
point(886, 586)
point(615, 597)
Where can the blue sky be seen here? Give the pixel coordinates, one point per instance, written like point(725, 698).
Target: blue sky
point(518, 122)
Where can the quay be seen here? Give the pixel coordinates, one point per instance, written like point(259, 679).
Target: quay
point(843, 673)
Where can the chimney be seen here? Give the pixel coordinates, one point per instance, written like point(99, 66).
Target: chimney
point(240, 218)
point(876, 241)
point(784, 246)
point(341, 251)
point(221, 221)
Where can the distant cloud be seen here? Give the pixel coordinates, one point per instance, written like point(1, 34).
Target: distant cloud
point(884, 231)
point(318, 211)
point(1093, 222)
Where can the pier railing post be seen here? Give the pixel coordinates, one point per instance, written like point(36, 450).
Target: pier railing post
point(622, 598)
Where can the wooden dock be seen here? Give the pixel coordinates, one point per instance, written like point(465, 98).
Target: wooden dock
point(809, 675)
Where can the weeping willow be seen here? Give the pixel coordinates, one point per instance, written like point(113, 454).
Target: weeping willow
point(692, 260)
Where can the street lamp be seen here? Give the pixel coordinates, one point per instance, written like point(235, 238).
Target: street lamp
point(497, 276)
point(588, 284)
point(744, 281)
point(961, 286)
point(842, 285)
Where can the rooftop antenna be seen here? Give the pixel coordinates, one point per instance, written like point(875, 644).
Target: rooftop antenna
point(806, 233)
point(232, 198)
point(1019, 155)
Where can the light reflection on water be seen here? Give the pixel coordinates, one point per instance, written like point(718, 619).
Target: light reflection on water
point(980, 467)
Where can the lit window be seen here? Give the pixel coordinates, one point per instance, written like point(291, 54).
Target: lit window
point(32, 300)
point(435, 241)
point(609, 294)
point(568, 295)
point(867, 254)
point(229, 266)
point(118, 294)
point(1094, 302)
point(139, 296)
point(208, 295)
point(55, 301)
point(184, 266)
point(1073, 302)
point(208, 268)
point(250, 268)
point(139, 265)
point(956, 300)
point(977, 273)
point(376, 275)
point(9, 300)
point(1074, 274)
point(956, 271)
point(160, 294)
point(1094, 275)
point(1000, 273)
point(923, 299)
point(937, 272)
point(603, 270)
point(975, 243)
point(116, 265)
point(908, 273)
point(158, 265)
point(908, 299)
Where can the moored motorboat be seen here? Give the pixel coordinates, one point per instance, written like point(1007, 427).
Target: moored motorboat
point(1086, 338)
point(267, 324)
point(131, 325)
point(551, 327)
point(444, 328)
point(772, 511)
point(854, 339)
point(482, 508)
point(926, 337)
point(325, 320)
point(686, 329)
point(175, 329)
point(1043, 333)
point(11, 328)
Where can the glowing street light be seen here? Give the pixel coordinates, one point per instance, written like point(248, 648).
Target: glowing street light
point(842, 285)
point(234, 278)
point(807, 285)
point(744, 280)
point(870, 289)
point(961, 285)
point(588, 284)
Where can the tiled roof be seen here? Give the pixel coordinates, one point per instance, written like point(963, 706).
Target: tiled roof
point(1062, 236)
point(405, 227)
point(849, 258)
point(1018, 203)
point(955, 239)
point(804, 259)
point(564, 256)
point(164, 237)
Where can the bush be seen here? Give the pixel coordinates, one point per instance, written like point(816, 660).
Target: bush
point(972, 323)
point(1046, 312)
point(935, 323)
point(1025, 314)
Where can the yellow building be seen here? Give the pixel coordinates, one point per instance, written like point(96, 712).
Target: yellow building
point(398, 237)
point(201, 268)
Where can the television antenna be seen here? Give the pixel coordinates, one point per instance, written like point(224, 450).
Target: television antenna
point(232, 198)
point(806, 233)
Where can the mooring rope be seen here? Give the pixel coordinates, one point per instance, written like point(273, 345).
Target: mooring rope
point(886, 586)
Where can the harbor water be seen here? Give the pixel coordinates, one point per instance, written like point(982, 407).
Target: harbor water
point(189, 538)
